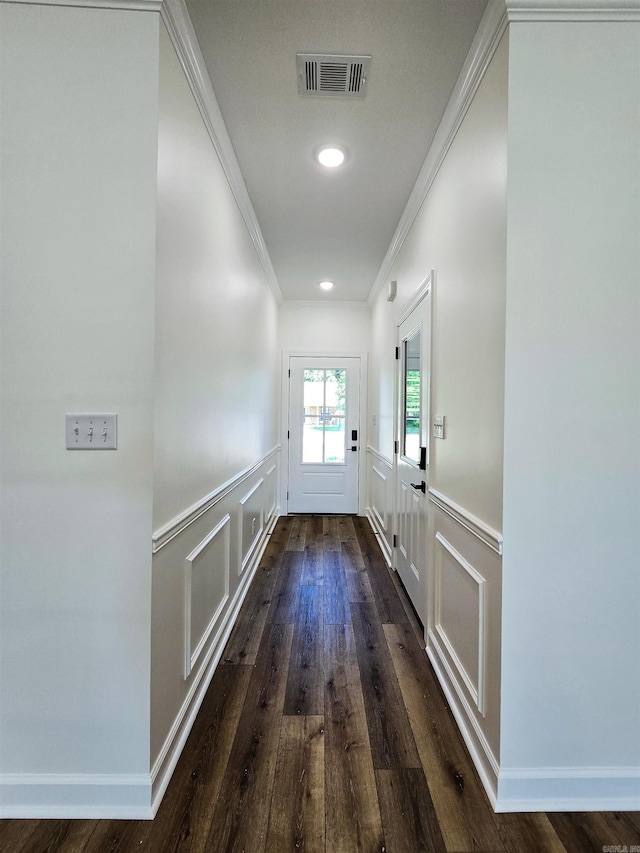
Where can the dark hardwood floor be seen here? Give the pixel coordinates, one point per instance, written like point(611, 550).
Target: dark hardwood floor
point(324, 729)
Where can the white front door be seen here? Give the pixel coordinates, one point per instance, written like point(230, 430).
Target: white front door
point(412, 462)
point(324, 431)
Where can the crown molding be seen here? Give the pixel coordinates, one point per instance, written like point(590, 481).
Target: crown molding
point(178, 23)
point(573, 10)
point(492, 27)
point(129, 5)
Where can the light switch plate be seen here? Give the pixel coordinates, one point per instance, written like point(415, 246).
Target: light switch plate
point(92, 431)
point(438, 426)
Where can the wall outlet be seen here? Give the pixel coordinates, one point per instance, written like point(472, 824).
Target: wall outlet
point(92, 432)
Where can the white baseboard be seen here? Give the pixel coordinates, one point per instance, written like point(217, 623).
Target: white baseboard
point(174, 743)
point(553, 789)
point(65, 796)
point(568, 789)
point(127, 796)
point(378, 531)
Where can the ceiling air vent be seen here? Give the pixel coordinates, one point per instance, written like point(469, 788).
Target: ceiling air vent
point(329, 74)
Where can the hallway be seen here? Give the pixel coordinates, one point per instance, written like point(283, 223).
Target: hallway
point(324, 729)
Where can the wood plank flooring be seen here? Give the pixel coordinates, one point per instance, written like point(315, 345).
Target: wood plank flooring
point(324, 729)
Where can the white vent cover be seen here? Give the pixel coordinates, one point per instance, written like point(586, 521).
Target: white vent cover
point(330, 74)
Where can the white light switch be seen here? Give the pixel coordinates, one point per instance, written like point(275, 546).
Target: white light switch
point(438, 426)
point(92, 432)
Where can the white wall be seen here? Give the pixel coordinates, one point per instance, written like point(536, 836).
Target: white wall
point(324, 326)
point(571, 651)
point(216, 320)
point(79, 136)
point(217, 385)
point(460, 233)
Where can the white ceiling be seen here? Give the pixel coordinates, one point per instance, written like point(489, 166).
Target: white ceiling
point(316, 223)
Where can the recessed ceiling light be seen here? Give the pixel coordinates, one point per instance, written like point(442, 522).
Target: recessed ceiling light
point(326, 285)
point(330, 156)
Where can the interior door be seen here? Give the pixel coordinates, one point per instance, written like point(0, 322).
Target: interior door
point(412, 460)
point(324, 429)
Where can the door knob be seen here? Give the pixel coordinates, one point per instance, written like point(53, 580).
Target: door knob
point(420, 487)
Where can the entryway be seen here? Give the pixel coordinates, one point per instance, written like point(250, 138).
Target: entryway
point(323, 434)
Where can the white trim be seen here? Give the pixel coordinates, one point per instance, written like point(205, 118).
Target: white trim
point(487, 38)
point(573, 10)
point(477, 691)
point(383, 544)
point(244, 559)
point(470, 522)
point(169, 754)
point(66, 796)
point(416, 298)
point(273, 509)
point(380, 456)
point(384, 479)
point(552, 789)
point(185, 42)
point(171, 529)
point(191, 657)
point(127, 5)
point(380, 529)
point(373, 513)
point(473, 736)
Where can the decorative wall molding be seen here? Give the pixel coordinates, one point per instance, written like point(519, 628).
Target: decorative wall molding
point(481, 753)
point(380, 522)
point(193, 647)
point(172, 528)
point(272, 509)
point(245, 556)
point(573, 10)
point(379, 534)
point(167, 759)
point(491, 29)
point(416, 298)
point(472, 523)
point(380, 456)
point(127, 5)
point(183, 37)
point(477, 690)
point(380, 473)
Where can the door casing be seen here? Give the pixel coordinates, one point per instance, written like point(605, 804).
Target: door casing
point(425, 290)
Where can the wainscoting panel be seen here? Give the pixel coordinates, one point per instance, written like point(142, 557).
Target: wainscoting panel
point(251, 522)
point(460, 616)
point(464, 624)
point(379, 502)
point(206, 590)
point(203, 563)
point(271, 493)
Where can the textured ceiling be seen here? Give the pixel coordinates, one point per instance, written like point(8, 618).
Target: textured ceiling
point(320, 224)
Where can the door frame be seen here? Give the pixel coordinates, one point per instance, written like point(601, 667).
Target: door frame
point(284, 419)
point(426, 288)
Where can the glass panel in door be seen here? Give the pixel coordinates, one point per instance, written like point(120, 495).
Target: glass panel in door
point(411, 402)
point(324, 433)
